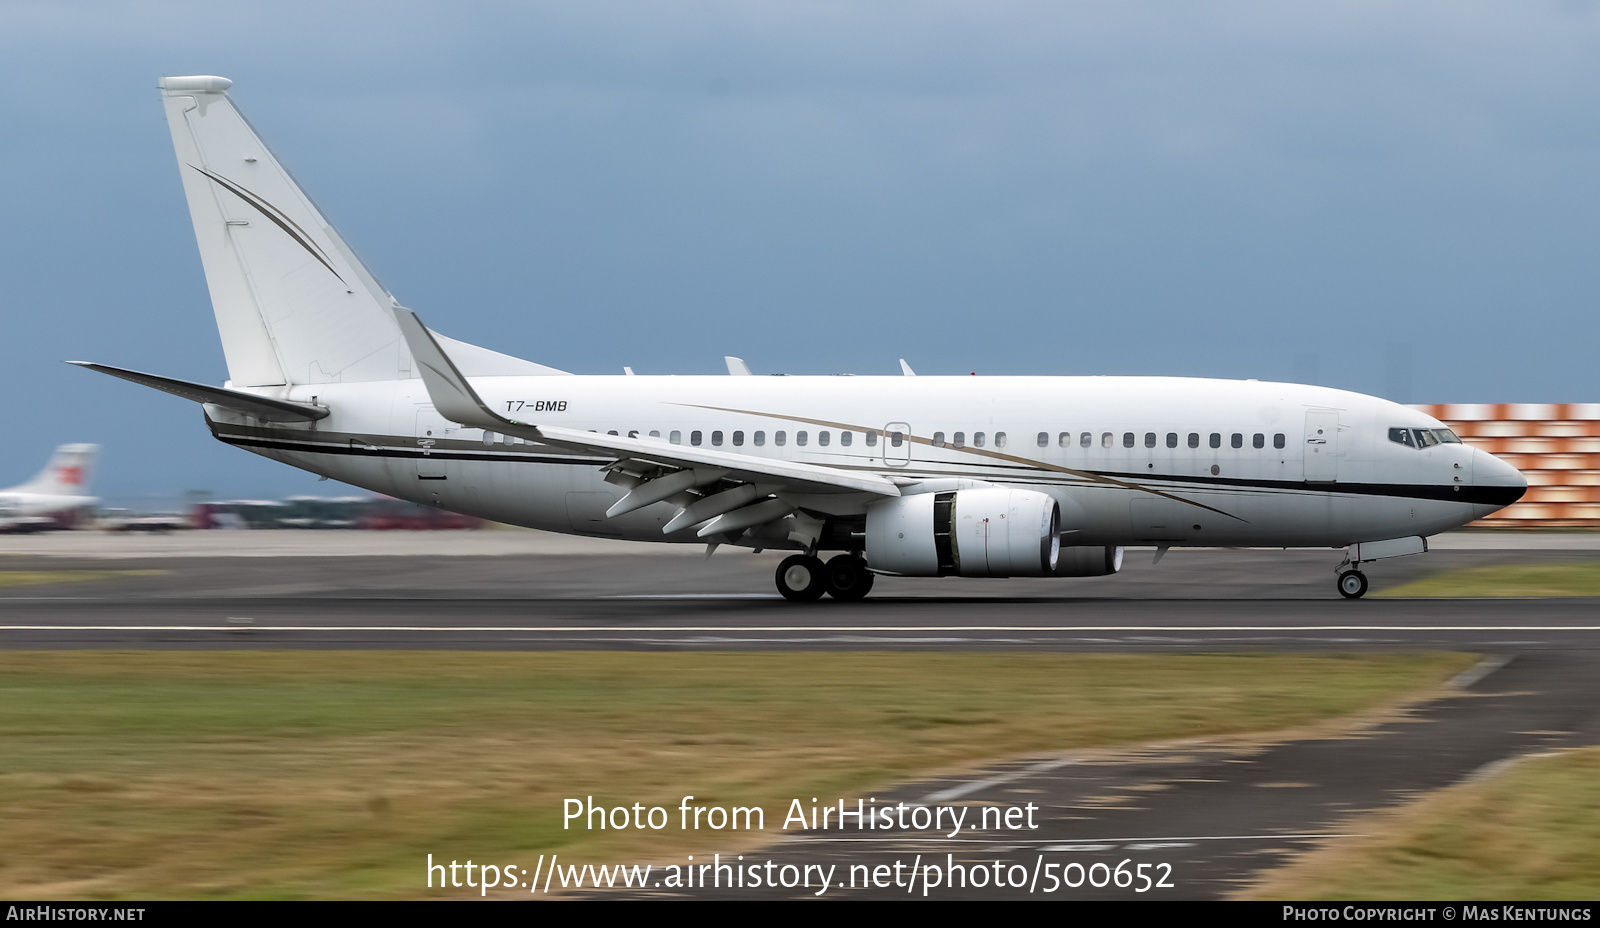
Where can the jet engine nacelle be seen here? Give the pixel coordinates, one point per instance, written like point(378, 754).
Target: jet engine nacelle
point(984, 532)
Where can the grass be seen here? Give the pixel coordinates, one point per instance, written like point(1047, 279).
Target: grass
point(1517, 580)
point(1532, 833)
point(37, 577)
point(334, 774)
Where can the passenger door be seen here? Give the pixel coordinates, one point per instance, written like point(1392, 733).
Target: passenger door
point(430, 431)
point(1322, 446)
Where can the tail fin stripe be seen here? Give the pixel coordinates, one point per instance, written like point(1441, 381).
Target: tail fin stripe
point(277, 216)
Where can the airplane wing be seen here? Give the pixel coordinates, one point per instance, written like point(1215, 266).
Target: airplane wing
point(654, 470)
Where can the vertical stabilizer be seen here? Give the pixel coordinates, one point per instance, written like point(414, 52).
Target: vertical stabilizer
point(67, 474)
point(293, 305)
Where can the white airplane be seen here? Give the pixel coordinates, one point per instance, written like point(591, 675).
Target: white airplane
point(54, 494)
point(910, 475)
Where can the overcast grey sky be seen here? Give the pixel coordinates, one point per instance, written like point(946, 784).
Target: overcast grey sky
point(1396, 198)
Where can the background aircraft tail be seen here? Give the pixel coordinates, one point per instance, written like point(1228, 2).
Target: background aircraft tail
point(67, 474)
point(293, 303)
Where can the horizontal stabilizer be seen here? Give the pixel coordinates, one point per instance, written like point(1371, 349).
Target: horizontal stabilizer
point(262, 407)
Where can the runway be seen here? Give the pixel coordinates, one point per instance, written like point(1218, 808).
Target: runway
point(1213, 814)
point(522, 591)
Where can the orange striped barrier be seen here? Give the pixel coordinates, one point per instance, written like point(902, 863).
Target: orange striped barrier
point(1555, 445)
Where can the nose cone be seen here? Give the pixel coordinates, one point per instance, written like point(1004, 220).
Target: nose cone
point(1495, 484)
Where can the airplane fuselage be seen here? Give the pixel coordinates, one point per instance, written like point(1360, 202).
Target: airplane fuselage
point(40, 504)
point(1130, 460)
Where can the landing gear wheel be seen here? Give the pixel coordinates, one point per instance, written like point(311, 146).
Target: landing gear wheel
point(847, 578)
point(1352, 584)
point(800, 579)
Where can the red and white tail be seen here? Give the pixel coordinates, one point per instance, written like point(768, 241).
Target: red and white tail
point(67, 474)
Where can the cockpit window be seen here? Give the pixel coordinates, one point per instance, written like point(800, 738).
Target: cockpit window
point(1423, 438)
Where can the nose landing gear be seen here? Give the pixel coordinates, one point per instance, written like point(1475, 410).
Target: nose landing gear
point(1352, 584)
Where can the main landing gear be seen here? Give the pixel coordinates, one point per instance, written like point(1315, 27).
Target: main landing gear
point(803, 578)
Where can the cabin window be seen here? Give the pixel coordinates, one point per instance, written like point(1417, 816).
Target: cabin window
point(1258, 440)
point(1086, 440)
point(800, 438)
point(960, 440)
point(612, 432)
point(655, 433)
point(1172, 439)
point(716, 438)
point(676, 438)
point(1127, 439)
point(1194, 439)
point(1044, 439)
point(823, 438)
point(872, 438)
point(694, 437)
point(977, 439)
point(758, 439)
point(779, 438)
point(999, 439)
point(1216, 439)
point(938, 439)
point(1107, 439)
point(845, 438)
point(1149, 439)
point(1236, 440)
point(896, 439)
point(1064, 439)
point(738, 439)
point(1278, 440)
point(633, 433)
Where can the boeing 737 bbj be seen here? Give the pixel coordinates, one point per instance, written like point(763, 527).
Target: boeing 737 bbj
point(910, 476)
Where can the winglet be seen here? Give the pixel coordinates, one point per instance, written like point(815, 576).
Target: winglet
point(736, 366)
point(906, 368)
point(452, 396)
